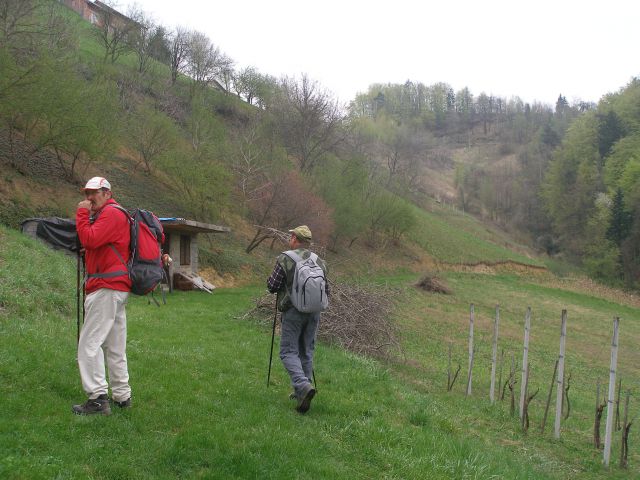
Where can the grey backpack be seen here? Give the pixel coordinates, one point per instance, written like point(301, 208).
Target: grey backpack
point(308, 291)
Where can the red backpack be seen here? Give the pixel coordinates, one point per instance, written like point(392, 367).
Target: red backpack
point(145, 253)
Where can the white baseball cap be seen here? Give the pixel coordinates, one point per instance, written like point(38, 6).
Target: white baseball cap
point(96, 183)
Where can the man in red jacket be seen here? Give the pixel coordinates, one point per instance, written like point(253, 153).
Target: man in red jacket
point(104, 234)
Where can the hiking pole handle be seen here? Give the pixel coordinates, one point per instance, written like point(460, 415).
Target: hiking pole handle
point(273, 334)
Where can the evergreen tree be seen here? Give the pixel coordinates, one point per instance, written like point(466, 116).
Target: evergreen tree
point(561, 105)
point(620, 223)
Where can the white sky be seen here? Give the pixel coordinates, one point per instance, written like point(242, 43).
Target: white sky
point(535, 49)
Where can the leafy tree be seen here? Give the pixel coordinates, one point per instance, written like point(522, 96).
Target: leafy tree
point(204, 63)
point(203, 179)
point(159, 45)
point(388, 214)
point(76, 119)
point(572, 182)
point(251, 85)
point(206, 132)
point(484, 111)
point(152, 134)
point(610, 130)
point(630, 254)
point(624, 151)
point(601, 256)
point(342, 184)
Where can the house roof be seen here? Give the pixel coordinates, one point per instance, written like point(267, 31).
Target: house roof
point(191, 226)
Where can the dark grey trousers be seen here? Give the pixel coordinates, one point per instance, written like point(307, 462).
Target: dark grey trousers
point(297, 343)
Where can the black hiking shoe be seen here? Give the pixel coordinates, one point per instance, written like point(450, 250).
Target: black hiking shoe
point(304, 402)
point(98, 405)
point(123, 404)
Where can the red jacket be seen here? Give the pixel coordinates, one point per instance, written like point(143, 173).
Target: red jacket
point(111, 227)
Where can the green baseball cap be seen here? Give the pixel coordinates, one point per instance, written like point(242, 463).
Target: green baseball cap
point(302, 233)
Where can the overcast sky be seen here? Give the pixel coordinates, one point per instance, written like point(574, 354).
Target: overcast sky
point(535, 49)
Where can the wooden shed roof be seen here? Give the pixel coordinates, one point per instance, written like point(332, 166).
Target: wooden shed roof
point(191, 226)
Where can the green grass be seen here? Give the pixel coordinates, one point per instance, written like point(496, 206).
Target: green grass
point(202, 409)
point(453, 237)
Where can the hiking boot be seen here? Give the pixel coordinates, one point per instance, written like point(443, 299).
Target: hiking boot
point(93, 406)
point(293, 396)
point(304, 402)
point(123, 404)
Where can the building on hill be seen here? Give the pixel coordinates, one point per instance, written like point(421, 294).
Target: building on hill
point(99, 14)
point(95, 12)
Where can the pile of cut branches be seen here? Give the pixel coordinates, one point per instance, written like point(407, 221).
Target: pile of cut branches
point(431, 283)
point(358, 318)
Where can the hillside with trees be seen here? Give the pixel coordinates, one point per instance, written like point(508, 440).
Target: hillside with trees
point(164, 108)
point(441, 213)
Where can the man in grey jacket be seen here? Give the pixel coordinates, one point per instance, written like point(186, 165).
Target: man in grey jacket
point(297, 340)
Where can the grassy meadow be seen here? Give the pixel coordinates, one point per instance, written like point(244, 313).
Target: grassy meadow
point(202, 408)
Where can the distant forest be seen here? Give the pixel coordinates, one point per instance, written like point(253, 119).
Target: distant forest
point(565, 176)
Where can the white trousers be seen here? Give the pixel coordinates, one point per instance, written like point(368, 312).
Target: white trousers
point(104, 334)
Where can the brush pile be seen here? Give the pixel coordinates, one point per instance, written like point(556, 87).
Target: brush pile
point(431, 283)
point(358, 318)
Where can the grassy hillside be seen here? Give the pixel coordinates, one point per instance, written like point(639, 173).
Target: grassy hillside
point(453, 237)
point(202, 408)
point(198, 372)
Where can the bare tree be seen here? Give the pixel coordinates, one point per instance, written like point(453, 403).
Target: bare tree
point(287, 201)
point(227, 73)
point(178, 47)
point(140, 40)
point(114, 29)
point(309, 120)
point(17, 19)
point(256, 161)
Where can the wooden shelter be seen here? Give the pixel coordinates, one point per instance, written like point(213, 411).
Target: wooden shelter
point(181, 243)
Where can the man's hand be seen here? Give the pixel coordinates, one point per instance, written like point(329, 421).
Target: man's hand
point(85, 204)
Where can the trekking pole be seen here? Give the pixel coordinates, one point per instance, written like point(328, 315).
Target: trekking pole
point(273, 334)
point(78, 297)
point(313, 374)
point(84, 291)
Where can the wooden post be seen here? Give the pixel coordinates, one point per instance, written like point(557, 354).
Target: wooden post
point(494, 355)
point(525, 359)
point(471, 317)
point(560, 389)
point(612, 388)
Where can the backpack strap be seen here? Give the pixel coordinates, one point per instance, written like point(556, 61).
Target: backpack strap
point(293, 255)
point(117, 273)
